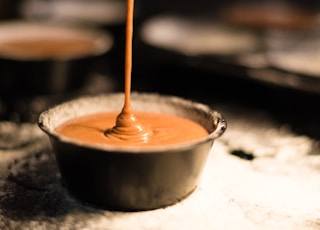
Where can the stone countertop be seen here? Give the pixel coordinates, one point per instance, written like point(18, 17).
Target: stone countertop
point(259, 175)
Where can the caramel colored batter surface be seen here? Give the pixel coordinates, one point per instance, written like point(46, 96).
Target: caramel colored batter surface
point(166, 129)
point(47, 48)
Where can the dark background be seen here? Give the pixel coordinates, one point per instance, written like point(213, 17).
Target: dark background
point(163, 72)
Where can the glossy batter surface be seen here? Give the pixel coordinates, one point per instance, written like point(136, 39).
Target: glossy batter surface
point(165, 130)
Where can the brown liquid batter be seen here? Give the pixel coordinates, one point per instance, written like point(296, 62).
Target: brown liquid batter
point(47, 48)
point(127, 126)
point(167, 130)
point(132, 128)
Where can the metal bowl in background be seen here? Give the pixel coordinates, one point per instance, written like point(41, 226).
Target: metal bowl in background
point(108, 15)
point(45, 58)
